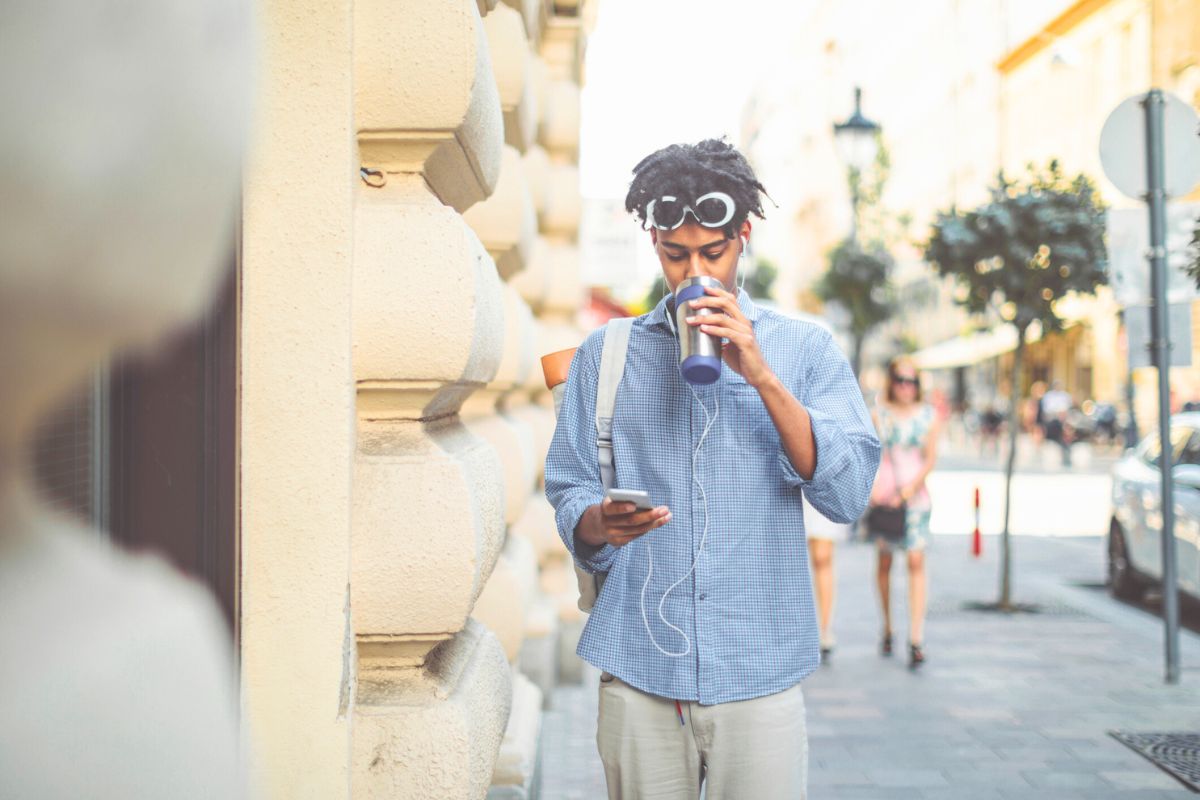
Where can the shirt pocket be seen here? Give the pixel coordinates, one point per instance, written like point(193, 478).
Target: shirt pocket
point(750, 426)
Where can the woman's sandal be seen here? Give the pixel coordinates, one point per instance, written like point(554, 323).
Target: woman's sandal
point(916, 655)
point(885, 645)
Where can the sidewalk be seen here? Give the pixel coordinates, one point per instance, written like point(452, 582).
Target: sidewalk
point(1006, 708)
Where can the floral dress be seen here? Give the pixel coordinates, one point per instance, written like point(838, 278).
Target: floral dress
point(903, 440)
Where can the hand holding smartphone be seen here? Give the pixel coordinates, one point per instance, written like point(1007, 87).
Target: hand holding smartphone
point(601, 524)
point(638, 497)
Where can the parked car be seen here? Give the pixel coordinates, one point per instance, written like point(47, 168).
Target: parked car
point(1135, 533)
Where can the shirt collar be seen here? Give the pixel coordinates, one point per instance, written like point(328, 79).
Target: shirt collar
point(661, 313)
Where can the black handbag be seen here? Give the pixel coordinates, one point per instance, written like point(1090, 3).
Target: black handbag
point(888, 522)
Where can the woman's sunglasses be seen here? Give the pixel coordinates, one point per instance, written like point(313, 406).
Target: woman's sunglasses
point(713, 210)
point(900, 380)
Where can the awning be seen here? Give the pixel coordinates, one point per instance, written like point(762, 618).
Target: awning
point(963, 351)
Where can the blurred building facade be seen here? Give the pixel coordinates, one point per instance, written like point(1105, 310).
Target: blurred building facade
point(348, 449)
point(963, 90)
point(928, 77)
point(1057, 89)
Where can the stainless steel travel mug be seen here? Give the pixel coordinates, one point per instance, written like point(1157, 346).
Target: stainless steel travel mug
point(699, 353)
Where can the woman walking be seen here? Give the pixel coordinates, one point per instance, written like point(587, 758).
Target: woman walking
point(822, 533)
point(908, 431)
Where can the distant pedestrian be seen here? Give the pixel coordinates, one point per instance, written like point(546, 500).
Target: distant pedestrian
point(991, 422)
point(908, 431)
point(822, 534)
point(1054, 407)
point(1032, 421)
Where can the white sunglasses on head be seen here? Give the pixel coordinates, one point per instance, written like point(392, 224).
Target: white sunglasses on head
point(713, 210)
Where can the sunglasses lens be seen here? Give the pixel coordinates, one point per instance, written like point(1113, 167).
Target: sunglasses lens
point(713, 211)
point(668, 213)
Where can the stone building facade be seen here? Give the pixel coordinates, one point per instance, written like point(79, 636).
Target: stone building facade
point(407, 251)
point(347, 450)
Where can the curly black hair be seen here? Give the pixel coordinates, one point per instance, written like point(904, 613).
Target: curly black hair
point(692, 170)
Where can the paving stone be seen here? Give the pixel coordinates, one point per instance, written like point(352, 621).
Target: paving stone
point(956, 793)
point(840, 777)
point(907, 777)
point(1140, 779)
point(1051, 779)
point(984, 776)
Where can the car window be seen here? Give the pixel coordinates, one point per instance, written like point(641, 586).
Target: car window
point(1180, 437)
point(1191, 450)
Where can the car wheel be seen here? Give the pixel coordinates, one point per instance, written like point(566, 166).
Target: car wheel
point(1123, 580)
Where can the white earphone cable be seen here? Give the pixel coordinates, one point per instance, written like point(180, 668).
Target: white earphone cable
point(741, 278)
point(709, 422)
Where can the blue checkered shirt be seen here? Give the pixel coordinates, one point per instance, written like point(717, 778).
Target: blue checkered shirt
point(748, 607)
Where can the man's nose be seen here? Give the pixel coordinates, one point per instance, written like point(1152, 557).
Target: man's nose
point(696, 266)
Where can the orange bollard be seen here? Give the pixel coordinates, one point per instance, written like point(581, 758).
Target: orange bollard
point(976, 538)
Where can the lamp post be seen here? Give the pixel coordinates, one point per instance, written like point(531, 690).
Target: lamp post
point(857, 144)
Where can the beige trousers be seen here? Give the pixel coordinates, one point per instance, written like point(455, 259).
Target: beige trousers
point(750, 749)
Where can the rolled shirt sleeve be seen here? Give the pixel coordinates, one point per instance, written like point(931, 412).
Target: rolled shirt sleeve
point(572, 468)
point(846, 443)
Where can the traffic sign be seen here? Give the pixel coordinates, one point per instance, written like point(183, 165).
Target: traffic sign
point(1123, 147)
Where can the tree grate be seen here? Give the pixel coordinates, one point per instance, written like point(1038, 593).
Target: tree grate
point(1177, 754)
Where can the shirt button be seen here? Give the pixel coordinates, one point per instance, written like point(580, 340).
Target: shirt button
point(703, 597)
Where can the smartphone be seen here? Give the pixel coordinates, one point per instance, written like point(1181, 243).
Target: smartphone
point(636, 496)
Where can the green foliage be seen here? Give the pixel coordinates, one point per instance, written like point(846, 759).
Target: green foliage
point(858, 281)
point(858, 277)
point(876, 226)
point(759, 282)
point(657, 291)
point(1033, 243)
point(1193, 267)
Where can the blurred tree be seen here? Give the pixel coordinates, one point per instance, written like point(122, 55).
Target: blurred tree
point(858, 282)
point(657, 291)
point(858, 278)
point(1015, 256)
point(760, 280)
point(1193, 267)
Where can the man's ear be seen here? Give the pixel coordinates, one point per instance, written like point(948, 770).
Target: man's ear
point(654, 237)
point(744, 234)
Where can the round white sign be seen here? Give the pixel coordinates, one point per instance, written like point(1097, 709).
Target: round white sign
point(1123, 147)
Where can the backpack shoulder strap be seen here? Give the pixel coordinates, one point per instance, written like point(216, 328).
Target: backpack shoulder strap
point(612, 367)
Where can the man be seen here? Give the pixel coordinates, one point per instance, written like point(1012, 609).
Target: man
point(705, 625)
point(1055, 404)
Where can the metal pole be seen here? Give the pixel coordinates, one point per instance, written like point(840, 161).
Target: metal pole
point(1157, 201)
point(1130, 431)
point(854, 176)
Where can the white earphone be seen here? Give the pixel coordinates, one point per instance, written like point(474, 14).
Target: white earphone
point(742, 262)
point(709, 421)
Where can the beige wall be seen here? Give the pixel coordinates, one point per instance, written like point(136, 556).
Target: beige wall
point(393, 419)
point(1056, 101)
point(297, 405)
point(1058, 88)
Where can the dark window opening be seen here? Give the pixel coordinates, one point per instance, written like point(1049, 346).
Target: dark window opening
point(147, 451)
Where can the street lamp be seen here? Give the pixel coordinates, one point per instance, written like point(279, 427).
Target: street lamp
point(857, 144)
